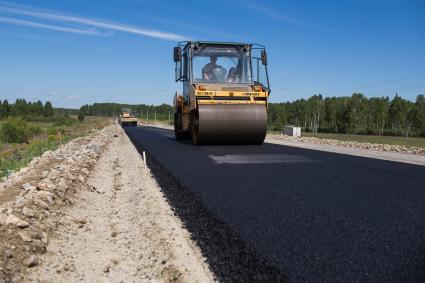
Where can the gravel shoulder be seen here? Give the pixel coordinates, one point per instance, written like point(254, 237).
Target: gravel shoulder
point(96, 214)
point(356, 149)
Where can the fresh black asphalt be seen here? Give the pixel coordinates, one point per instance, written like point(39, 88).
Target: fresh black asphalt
point(316, 216)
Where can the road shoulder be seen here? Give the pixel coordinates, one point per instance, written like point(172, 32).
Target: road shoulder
point(96, 214)
point(383, 155)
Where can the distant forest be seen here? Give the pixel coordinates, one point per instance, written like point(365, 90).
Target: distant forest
point(351, 115)
point(355, 114)
point(27, 110)
point(143, 111)
point(33, 111)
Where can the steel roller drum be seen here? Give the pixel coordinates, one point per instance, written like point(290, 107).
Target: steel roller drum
point(230, 124)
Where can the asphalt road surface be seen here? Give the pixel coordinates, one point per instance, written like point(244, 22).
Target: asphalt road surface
point(317, 216)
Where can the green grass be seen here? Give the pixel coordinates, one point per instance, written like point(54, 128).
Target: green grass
point(408, 142)
point(20, 158)
point(15, 156)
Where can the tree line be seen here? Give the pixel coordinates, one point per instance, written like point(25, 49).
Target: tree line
point(355, 114)
point(143, 111)
point(33, 111)
point(26, 109)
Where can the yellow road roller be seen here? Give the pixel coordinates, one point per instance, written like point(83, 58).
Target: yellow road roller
point(225, 92)
point(127, 117)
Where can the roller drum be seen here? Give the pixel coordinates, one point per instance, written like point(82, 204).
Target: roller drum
point(230, 124)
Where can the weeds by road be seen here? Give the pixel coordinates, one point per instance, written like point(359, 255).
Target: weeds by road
point(70, 216)
point(14, 156)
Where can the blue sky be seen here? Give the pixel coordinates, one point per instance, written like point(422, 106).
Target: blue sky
point(77, 52)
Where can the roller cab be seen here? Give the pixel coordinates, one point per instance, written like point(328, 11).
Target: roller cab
point(225, 92)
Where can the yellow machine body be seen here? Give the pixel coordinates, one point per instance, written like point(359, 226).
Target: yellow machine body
point(127, 118)
point(218, 111)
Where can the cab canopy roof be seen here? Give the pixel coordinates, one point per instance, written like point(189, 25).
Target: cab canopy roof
point(211, 43)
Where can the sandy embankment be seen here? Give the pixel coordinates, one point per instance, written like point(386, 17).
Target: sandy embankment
point(94, 213)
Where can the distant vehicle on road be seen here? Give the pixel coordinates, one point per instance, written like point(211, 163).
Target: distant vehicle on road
point(127, 118)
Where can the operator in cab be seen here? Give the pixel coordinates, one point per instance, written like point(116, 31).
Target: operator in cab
point(207, 73)
point(232, 77)
point(213, 72)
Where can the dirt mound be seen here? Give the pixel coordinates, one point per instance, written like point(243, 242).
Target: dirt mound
point(31, 200)
point(92, 211)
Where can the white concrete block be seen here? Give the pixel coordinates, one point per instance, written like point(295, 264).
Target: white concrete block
point(292, 131)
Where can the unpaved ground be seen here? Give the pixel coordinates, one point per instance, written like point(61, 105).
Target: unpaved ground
point(123, 231)
point(32, 199)
point(95, 215)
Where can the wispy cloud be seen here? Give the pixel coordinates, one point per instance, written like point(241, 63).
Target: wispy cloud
point(72, 97)
point(89, 31)
point(11, 84)
point(60, 96)
point(92, 24)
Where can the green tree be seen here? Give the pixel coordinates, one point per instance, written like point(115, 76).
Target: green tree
point(315, 112)
point(48, 109)
point(20, 107)
point(419, 116)
point(343, 118)
point(356, 112)
point(14, 130)
point(80, 116)
point(331, 108)
point(400, 116)
point(38, 108)
point(378, 107)
point(6, 108)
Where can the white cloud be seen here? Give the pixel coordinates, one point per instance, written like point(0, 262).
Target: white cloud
point(94, 23)
point(11, 84)
point(71, 97)
point(87, 31)
point(60, 96)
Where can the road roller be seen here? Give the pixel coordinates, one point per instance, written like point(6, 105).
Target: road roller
point(225, 92)
point(127, 117)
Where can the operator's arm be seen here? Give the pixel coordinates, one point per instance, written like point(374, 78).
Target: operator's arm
point(206, 71)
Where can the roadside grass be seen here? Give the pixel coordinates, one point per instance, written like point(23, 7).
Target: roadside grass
point(17, 159)
point(390, 140)
point(15, 156)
